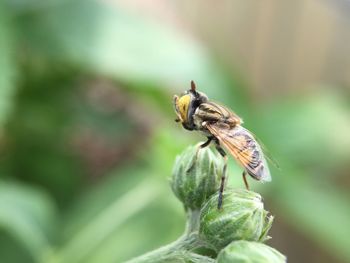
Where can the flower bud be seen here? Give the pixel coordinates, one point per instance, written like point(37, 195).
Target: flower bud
point(250, 252)
point(196, 177)
point(242, 216)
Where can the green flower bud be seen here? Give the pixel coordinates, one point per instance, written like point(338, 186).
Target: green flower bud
point(242, 216)
point(196, 177)
point(250, 252)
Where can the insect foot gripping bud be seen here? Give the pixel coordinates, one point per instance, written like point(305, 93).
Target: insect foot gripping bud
point(242, 217)
point(196, 176)
point(250, 252)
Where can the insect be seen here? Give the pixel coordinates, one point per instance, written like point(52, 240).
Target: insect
point(223, 127)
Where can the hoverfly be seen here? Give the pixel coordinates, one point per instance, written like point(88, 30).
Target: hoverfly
point(222, 126)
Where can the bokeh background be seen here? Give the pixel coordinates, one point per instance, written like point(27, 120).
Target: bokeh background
point(87, 131)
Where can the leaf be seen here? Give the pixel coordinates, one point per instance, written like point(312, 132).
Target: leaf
point(28, 215)
point(106, 222)
point(312, 131)
point(157, 224)
point(319, 210)
point(7, 65)
point(22, 6)
point(105, 39)
point(131, 199)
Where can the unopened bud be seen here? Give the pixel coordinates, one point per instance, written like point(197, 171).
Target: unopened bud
point(250, 252)
point(242, 217)
point(196, 176)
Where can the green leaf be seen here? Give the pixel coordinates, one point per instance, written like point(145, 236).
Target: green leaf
point(28, 215)
point(141, 232)
point(106, 39)
point(22, 6)
point(131, 199)
point(312, 131)
point(319, 210)
point(103, 224)
point(7, 64)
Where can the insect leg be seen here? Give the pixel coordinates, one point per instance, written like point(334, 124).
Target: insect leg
point(245, 179)
point(203, 145)
point(223, 176)
point(206, 143)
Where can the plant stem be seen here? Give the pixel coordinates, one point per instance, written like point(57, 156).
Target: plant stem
point(167, 252)
point(179, 250)
point(192, 224)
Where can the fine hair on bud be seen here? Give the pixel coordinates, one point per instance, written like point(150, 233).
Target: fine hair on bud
point(243, 251)
point(196, 176)
point(242, 217)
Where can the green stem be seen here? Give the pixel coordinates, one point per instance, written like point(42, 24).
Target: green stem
point(168, 252)
point(181, 248)
point(192, 224)
point(195, 258)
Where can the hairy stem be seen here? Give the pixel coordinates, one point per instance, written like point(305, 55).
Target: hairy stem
point(181, 248)
point(192, 224)
point(166, 253)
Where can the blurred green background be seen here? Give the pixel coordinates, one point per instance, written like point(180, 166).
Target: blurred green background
point(87, 131)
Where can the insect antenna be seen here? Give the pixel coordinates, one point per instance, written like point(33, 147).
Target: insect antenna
point(193, 86)
point(193, 89)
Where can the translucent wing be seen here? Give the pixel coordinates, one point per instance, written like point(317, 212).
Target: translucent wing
point(213, 111)
point(244, 148)
point(267, 154)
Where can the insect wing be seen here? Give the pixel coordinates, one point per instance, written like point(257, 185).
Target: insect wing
point(243, 146)
point(267, 154)
point(215, 110)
